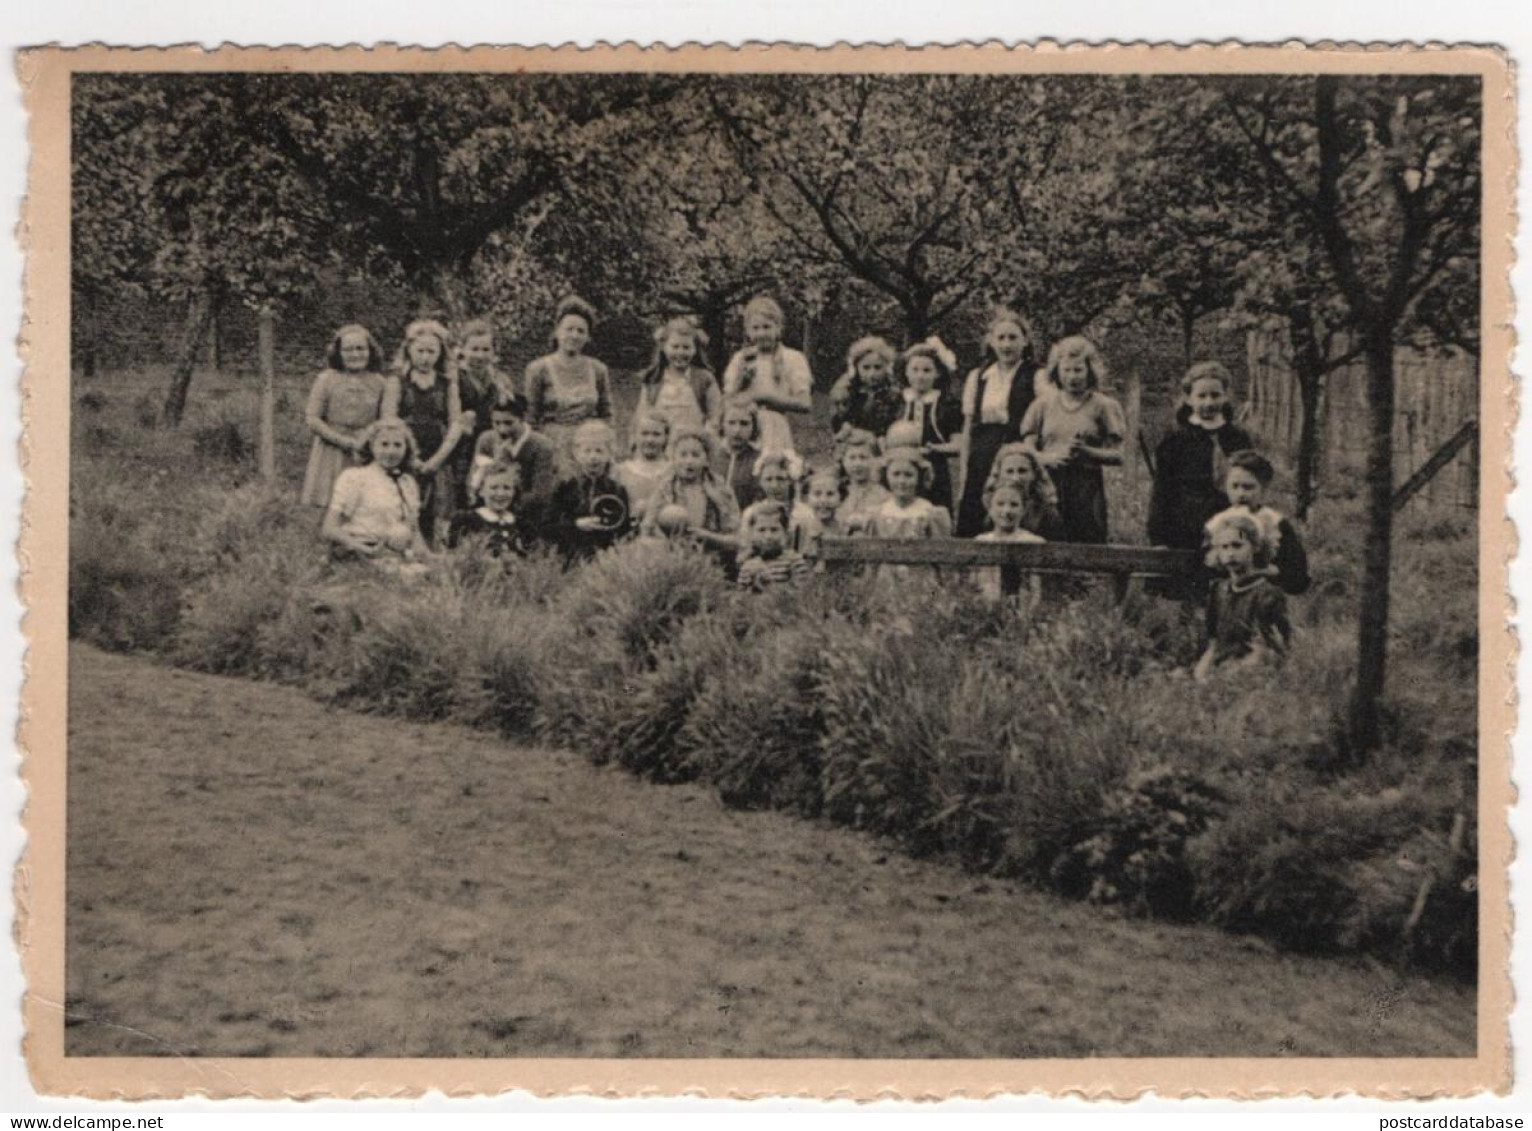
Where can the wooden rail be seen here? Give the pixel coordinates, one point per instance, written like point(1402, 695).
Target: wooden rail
point(1031, 557)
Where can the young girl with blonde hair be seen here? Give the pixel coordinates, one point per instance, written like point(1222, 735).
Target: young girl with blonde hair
point(679, 387)
point(769, 373)
point(1076, 431)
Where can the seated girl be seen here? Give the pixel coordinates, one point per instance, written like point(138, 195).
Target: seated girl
point(1006, 502)
point(1247, 621)
point(374, 512)
point(689, 500)
point(776, 479)
point(641, 472)
point(768, 560)
point(590, 510)
point(905, 514)
point(1018, 465)
point(492, 527)
point(860, 464)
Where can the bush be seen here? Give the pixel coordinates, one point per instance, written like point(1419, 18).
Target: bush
point(222, 441)
point(1134, 851)
point(121, 596)
point(756, 726)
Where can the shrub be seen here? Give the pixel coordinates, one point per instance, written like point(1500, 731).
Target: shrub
point(221, 630)
point(639, 593)
point(222, 441)
point(1134, 850)
point(121, 595)
point(407, 656)
point(502, 678)
point(755, 727)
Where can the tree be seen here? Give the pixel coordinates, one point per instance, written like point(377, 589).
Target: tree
point(174, 199)
point(1384, 172)
point(935, 190)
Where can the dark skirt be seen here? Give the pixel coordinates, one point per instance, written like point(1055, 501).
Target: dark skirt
point(985, 440)
point(1082, 503)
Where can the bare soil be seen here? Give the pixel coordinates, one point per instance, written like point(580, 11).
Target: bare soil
point(253, 874)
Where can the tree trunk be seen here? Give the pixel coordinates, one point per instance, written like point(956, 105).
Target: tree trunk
point(90, 333)
point(1372, 628)
point(444, 295)
point(1308, 372)
point(218, 305)
point(199, 318)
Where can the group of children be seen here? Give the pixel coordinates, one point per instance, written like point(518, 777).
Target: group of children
point(446, 452)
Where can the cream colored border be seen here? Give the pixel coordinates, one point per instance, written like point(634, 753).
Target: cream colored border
point(39, 885)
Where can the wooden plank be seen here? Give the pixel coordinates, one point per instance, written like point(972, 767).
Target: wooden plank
point(266, 348)
point(1439, 459)
point(1039, 557)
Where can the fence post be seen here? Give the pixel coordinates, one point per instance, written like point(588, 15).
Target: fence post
point(266, 345)
point(1130, 456)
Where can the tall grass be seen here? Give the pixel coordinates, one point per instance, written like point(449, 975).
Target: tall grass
point(1063, 743)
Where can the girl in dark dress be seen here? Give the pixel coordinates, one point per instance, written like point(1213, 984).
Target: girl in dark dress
point(995, 398)
point(423, 392)
point(867, 395)
point(928, 402)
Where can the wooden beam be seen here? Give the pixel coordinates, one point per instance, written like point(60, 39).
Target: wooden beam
point(1037, 557)
point(1439, 459)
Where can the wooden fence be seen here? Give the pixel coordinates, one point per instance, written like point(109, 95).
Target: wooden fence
point(1436, 394)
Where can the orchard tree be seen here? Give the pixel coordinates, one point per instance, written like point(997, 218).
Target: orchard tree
point(173, 198)
point(1384, 173)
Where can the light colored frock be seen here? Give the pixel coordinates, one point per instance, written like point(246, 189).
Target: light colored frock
point(341, 406)
point(559, 400)
point(783, 373)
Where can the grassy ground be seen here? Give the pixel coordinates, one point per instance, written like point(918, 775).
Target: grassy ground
point(251, 873)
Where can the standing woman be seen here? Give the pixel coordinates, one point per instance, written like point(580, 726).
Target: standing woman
point(995, 398)
point(566, 388)
point(423, 392)
point(345, 400)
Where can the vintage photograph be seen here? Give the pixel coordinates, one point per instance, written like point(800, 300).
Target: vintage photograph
point(944, 560)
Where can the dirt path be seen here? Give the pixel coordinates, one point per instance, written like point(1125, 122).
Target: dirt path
point(253, 874)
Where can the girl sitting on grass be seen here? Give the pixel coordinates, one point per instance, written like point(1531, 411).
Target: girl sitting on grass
point(1007, 503)
point(678, 387)
point(860, 464)
point(590, 510)
point(374, 512)
point(492, 526)
point(740, 425)
point(905, 514)
point(641, 472)
point(344, 402)
point(1076, 431)
point(1247, 623)
point(510, 440)
point(768, 560)
point(689, 500)
point(777, 475)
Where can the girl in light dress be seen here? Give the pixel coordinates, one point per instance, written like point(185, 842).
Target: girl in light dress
point(374, 511)
point(1076, 431)
point(995, 398)
point(905, 514)
point(641, 472)
point(861, 466)
point(765, 371)
point(567, 387)
point(678, 387)
point(689, 500)
point(423, 392)
point(346, 399)
point(1007, 503)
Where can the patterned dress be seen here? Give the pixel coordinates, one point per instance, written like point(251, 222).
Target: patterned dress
point(340, 408)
